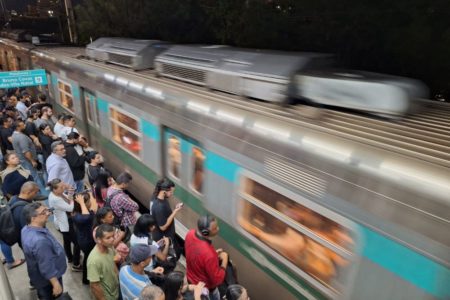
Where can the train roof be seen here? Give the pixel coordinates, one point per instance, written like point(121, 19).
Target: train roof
point(245, 61)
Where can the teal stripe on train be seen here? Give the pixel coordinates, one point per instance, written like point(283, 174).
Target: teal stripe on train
point(407, 264)
point(102, 105)
point(150, 130)
point(221, 166)
point(411, 266)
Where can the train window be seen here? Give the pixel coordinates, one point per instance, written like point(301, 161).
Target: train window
point(88, 104)
point(49, 85)
point(65, 95)
point(125, 131)
point(198, 158)
point(97, 113)
point(174, 156)
point(317, 245)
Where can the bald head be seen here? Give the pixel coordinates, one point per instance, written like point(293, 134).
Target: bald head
point(152, 292)
point(29, 190)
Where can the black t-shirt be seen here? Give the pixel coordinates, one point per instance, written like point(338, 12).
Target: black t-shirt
point(161, 211)
point(93, 171)
point(5, 133)
point(30, 129)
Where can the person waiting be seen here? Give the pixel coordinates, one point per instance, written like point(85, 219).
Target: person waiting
point(132, 277)
point(101, 265)
point(203, 262)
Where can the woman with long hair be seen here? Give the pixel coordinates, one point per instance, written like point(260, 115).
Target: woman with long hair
point(142, 234)
point(13, 176)
point(100, 186)
point(236, 292)
point(84, 211)
point(176, 287)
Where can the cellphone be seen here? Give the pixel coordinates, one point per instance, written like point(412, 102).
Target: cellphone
point(161, 243)
point(205, 291)
point(180, 204)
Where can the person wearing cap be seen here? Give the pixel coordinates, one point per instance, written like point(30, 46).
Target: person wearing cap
point(132, 277)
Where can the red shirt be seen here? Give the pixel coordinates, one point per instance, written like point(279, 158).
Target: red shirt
point(202, 261)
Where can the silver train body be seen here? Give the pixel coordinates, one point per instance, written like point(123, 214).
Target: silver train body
point(384, 185)
point(364, 91)
point(273, 76)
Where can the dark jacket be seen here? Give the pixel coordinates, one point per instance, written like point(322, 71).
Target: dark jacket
point(75, 161)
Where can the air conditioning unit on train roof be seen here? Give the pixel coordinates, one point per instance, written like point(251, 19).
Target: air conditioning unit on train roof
point(191, 63)
point(130, 53)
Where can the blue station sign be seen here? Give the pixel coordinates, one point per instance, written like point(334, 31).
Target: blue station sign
point(22, 78)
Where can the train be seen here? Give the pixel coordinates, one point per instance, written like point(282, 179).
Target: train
point(274, 76)
point(343, 206)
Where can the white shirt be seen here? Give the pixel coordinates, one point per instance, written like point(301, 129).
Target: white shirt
point(60, 214)
point(58, 129)
point(66, 131)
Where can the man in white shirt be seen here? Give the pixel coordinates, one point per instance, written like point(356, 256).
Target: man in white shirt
point(69, 126)
point(57, 129)
point(57, 166)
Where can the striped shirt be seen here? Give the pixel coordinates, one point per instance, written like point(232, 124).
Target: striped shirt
point(131, 283)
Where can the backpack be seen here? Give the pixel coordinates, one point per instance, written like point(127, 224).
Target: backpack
point(9, 233)
point(108, 204)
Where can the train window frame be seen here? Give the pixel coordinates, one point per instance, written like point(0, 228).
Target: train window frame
point(168, 134)
point(50, 85)
point(349, 271)
point(67, 94)
point(133, 131)
point(89, 101)
point(192, 166)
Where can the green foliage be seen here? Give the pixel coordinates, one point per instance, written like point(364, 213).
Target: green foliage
point(405, 37)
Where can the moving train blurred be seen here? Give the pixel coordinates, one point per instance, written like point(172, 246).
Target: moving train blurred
point(273, 76)
point(340, 207)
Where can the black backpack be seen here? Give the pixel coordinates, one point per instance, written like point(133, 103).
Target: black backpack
point(9, 233)
point(108, 204)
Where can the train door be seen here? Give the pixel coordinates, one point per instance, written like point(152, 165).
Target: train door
point(90, 115)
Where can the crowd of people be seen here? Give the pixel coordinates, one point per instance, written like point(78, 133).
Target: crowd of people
point(50, 169)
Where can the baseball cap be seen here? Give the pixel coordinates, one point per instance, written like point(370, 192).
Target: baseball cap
point(140, 252)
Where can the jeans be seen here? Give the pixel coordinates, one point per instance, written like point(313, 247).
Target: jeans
point(214, 295)
point(79, 186)
point(36, 178)
point(70, 238)
point(7, 252)
point(46, 292)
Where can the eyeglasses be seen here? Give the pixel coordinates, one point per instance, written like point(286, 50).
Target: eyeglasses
point(46, 211)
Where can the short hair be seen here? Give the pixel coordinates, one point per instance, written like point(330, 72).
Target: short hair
point(124, 177)
point(17, 123)
point(43, 126)
point(42, 97)
point(90, 156)
point(150, 292)
point(73, 136)
point(234, 292)
point(102, 229)
point(55, 144)
point(45, 109)
point(29, 211)
point(28, 186)
point(61, 116)
point(67, 118)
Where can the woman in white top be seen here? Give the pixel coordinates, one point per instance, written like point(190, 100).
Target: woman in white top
point(142, 235)
point(63, 221)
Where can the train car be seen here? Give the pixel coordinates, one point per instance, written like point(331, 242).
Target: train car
point(374, 93)
point(131, 53)
point(344, 207)
point(264, 75)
